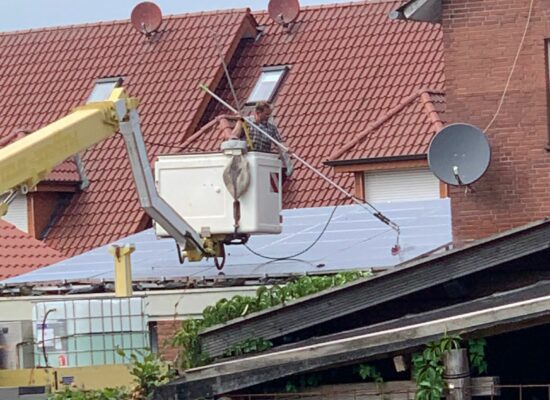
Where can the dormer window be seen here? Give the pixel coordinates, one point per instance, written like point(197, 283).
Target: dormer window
point(267, 85)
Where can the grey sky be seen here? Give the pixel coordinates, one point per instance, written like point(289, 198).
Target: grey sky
point(28, 14)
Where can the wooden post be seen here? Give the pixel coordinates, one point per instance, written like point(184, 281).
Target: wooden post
point(457, 374)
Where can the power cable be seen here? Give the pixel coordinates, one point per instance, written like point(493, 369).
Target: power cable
point(513, 68)
point(300, 252)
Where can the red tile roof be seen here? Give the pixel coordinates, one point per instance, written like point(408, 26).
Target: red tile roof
point(66, 172)
point(405, 130)
point(45, 73)
point(349, 65)
point(20, 252)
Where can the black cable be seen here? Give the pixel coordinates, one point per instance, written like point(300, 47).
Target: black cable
point(303, 251)
point(180, 147)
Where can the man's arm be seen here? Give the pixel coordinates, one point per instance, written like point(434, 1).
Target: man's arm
point(237, 132)
point(284, 154)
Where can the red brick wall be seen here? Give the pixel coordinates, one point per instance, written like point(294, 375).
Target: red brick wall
point(480, 41)
point(165, 332)
point(40, 209)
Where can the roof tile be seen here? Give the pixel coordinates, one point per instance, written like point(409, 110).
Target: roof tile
point(22, 253)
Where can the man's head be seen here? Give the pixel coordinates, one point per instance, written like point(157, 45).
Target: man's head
point(262, 111)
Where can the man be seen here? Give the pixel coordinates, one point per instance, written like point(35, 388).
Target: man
point(260, 142)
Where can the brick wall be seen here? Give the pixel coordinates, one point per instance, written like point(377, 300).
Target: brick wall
point(165, 331)
point(480, 41)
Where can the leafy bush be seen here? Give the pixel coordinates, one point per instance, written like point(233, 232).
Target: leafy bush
point(104, 394)
point(149, 372)
point(366, 371)
point(191, 354)
point(147, 369)
point(476, 353)
point(254, 345)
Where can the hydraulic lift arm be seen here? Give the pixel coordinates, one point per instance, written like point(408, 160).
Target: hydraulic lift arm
point(24, 163)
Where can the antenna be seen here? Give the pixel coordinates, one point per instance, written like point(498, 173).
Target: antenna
point(283, 12)
point(459, 154)
point(146, 18)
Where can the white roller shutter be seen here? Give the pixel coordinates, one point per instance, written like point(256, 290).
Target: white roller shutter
point(17, 213)
point(401, 185)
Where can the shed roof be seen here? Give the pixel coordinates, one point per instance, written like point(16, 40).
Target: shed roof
point(508, 311)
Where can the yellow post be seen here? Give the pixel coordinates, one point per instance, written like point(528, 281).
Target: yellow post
point(123, 269)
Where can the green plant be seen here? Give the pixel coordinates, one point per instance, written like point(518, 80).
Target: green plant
point(104, 394)
point(366, 371)
point(187, 338)
point(252, 345)
point(149, 372)
point(476, 353)
point(428, 367)
point(301, 382)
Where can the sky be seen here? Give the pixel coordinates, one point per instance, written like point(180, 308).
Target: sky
point(30, 14)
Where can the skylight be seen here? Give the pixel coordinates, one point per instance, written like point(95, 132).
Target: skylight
point(267, 84)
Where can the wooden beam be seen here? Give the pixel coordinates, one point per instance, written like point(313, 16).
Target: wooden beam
point(393, 390)
point(382, 166)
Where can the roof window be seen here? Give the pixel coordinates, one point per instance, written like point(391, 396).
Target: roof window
point(268, 83)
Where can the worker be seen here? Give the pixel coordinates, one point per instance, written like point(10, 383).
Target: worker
point(262, 113)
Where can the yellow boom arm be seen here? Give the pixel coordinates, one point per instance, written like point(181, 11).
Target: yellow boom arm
point(29, 160)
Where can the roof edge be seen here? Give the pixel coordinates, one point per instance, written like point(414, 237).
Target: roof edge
point(121, 21)
point(334, 163)
point(379, 122)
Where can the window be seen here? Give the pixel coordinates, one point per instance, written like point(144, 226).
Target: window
point(17, 213)
point(401, 185)
point(103, 88)
point(267, 84)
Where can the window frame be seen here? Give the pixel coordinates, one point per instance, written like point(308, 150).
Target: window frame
point(283, 69)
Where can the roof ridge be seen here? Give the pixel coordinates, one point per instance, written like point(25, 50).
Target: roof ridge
point(122, 21)
point(338, 5)
point(377, 123)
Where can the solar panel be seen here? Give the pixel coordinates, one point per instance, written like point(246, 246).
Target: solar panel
point(353, 239)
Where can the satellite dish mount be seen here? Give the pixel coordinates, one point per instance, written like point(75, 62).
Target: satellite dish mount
point(459, 155)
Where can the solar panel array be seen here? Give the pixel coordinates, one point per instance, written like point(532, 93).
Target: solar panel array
point(353, 239)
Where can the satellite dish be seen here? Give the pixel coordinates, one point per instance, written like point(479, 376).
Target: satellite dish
point(459, 154)
point(146, 17)
point(283, 12)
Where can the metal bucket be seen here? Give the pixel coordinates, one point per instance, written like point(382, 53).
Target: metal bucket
point(457, 374)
